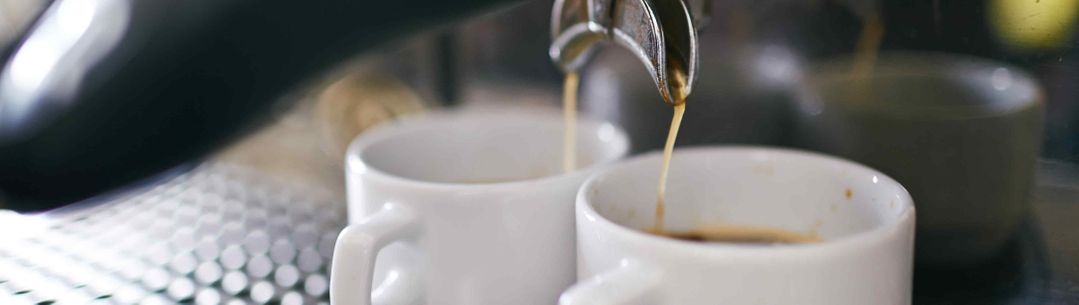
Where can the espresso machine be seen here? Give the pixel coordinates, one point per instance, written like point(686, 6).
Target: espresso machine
point(190, 151)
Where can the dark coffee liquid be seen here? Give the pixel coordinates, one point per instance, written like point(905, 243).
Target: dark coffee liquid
point(740, 235)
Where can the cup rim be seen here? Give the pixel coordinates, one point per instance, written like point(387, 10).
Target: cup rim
point(354, 163)
point(584, 205)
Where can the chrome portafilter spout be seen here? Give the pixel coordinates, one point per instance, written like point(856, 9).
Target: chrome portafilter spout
point(662, 33)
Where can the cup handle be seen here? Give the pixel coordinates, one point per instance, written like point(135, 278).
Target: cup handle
point(356, 249)
point(631, 283)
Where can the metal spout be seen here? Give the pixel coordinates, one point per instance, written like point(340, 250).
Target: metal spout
point(662, 34)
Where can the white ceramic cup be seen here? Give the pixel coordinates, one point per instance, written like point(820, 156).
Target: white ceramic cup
point(864, 256)
point(467, 207)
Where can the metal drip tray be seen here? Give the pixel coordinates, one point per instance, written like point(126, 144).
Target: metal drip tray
point(219, 234)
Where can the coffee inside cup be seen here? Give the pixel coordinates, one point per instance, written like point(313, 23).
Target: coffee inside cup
point(739, 235)
point(746, 195)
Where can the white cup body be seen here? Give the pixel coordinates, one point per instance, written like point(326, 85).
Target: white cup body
point(865, 220)
point(466, 207)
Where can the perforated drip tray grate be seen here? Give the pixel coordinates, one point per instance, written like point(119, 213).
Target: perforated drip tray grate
point(219, 234)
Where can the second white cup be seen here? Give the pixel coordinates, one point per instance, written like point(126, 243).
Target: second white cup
point(464, 208)
point(865, 221)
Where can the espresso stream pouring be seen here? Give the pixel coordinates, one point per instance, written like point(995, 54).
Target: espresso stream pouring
point(662, 34)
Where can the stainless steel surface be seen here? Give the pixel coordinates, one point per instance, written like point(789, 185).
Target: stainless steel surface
point(661, 33)
point(220, 234)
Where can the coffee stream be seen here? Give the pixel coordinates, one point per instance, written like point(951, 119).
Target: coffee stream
point(569, 113)
point(865, 53)
point(569, 137)
point(680, 91)
point(865, 56)
point(668, 150)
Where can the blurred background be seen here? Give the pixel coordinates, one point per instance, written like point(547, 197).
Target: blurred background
point(253, 222)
